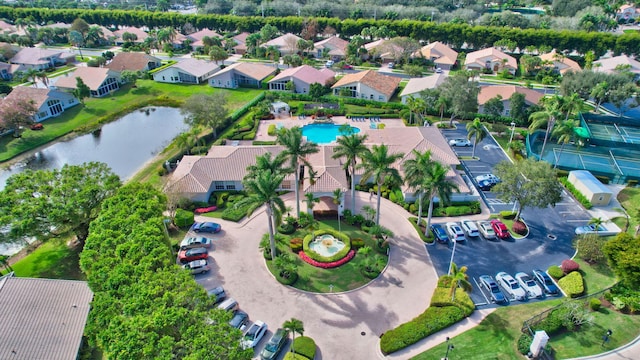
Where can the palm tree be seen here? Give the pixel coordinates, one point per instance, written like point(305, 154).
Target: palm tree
point(572, 103)
point(596, 222)
point(459, 278)
point(377, 166)
point(296, 149)
point(438, 185)
point(516, 148)
point(564, 131)
point(294, 326)
point(265, 162)
point(546, 117)
point(31, 74)
point(337, 199)
point(42, 75)
point(441, 104)
point(475, 129)
point(416, 171)
point(415, 106)
point(262, 187)
point(599, 93)
point(351, 148)
point(311, 200)
point(185, 141)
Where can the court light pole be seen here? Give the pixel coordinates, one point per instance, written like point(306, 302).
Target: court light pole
point(513, 129)
point(449, 348)
point(452, 254)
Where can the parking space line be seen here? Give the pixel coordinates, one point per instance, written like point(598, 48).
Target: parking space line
point(481, 292)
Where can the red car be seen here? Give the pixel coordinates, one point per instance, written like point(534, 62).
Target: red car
point(500, 228)
point(188, 255)
point(347, 67)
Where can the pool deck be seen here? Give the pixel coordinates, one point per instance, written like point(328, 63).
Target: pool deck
point(289, 122)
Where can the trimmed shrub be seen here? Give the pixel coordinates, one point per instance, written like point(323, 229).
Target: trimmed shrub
point(296, 245)
point(555, 272)
point(519, 228)
point(595, 304)
point(576, 193)
point(304, 346)
point(458, 210)
point(286, 228)
point(271, 130)
point(293, 277)
point(442, 298)
point(428, 239)
point(552, 324)
point(572, 284)
point(183, 218)
point(508, 215)
point(323, 259)
point(524, 343)
point(444, 281)
point(294, 356)
point(569, 266)
point(357, 243)
point(234, 214)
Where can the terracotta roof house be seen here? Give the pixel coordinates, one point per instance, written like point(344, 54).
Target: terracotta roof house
point(442, 55)
point(133, 61)
point(369, 85)
point(287, 44)
point(6, 28)
point(196, 37)
point(334, 47)
point(416, 85)
point(241, 43)
point(302, 78)
point(41, 59)
point(383, 49)
point(187, 71)
point(531, 97)
point(178, 41)
point(42, 318)
point(49, 102)
point(224, 167)
point(241, 74)
point(611, 65)
point(101, 81)
point(561, 63)
point(139, 33)
point(490, 58)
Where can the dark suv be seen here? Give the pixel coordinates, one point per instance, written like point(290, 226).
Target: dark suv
point(439, 233)
point(275, 345)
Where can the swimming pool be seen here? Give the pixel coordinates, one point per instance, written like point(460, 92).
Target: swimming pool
point(323, 133)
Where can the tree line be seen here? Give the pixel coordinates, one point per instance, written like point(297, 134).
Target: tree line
point(452, 33)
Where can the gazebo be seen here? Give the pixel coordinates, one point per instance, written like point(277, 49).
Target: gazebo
point(280, 107)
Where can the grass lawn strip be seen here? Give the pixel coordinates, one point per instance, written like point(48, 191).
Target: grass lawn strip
point(629, 198)
point(51, 260)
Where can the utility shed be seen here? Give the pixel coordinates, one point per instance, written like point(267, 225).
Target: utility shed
point(590, 187)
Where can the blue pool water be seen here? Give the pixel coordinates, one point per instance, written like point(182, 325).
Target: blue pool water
point(323, 133)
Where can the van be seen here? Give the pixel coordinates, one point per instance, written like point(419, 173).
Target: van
point(229, 305)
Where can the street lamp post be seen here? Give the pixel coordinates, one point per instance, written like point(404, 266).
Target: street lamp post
point(432, 13)
point(513, 129)
point(449, 348)
point(452, 254)
point(605, 337)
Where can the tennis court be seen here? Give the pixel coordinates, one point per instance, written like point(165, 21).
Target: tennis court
point(614, 132)
point(614, 164)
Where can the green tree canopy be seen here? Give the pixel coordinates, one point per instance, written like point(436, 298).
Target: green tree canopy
point(461, 95)
point(81, 91)
point(623, 253)
point(209, 110)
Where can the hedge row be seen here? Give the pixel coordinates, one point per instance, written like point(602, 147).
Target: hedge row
point(305, 346)
point(577, 194)
point(572, 284)
point(414, 222)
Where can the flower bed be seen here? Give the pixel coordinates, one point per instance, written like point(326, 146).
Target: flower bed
point(327, 265)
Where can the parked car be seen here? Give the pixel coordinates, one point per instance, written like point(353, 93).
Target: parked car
point(469, 227)
point(229, 305)
point(511, 286)
point(275, 345)
point(347, 67)
point(488, 177)
point(36, 126)
point(391, 65)
point(188, 255)
point(460, 142)
point(486, 230)
point(500, 228)
point(197, 267)
point(438, 71)
point(545, 281)
point(492, 287)
point(210, 227)
point(439, 233)
point(239, 320)
point(329, 63)
point(485, 185)
point(253, 335)
point(529, 285)
point(192, 242)
point(455, 232)
point(591, 229)
point(219, 293)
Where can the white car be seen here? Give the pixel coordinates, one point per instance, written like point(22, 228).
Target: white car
point(469, 228)
point(488, 177)
point(591, 229)
point(529, 285)
point(486, 230)
point(455, 231)
point(329, 63)
point(197, 267)
point(511, 286)
point(253, 335)
point(459, 142)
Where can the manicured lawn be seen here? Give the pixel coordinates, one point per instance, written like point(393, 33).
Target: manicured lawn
point(629, 198)
point(53, 260)
point(596, 277)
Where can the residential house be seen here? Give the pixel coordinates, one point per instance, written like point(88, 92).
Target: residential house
point(178, 41)
point(42, 318)
point(101, 81)
point(416, 85)
point(302, 77)
point(241, 43)
point(188, 71)
point(8, 70)
point(531, 97)
point(492, 59)
point(7, 28)
point(369, 84)
point(561, 63)
point(133, 61)
point(440, 54)
point(241, 74)
point(384, 50)
point(196, 38)
point(616, 64)
point(140, 34)
point(49, 102)
point(627, 12)
point(41, 59)
point(287, 44)
point(334, 47)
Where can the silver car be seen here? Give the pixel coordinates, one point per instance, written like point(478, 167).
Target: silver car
point(486, 230)
point(197, 266)
point(511, 286)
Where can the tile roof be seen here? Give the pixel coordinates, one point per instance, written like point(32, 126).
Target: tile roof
point(416, 85)
point(506, 91)
point(383, 84)
point(282, 41)
point(336, 45)
point(38, 95)
point(609, 65)
point(42, 319)
point(38, 56)
point(141, 34)
point(199, 35)
point(493, 53)
point(383, 48)
point(131, 61)
point(241, 38)
point(330, 173)
point(91, 76)
point(442, 53)
point(306, 74)
point(196, 67)
point(571, 65)
point(6, 26)
point(253, 70)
